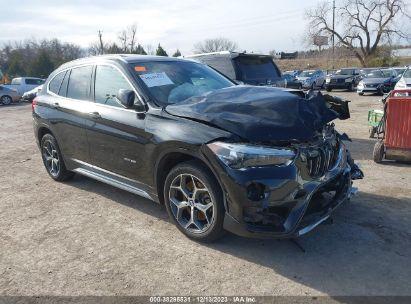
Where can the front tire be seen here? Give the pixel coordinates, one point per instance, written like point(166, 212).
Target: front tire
point(194, 201)
point(6, 100)
point(53, 159)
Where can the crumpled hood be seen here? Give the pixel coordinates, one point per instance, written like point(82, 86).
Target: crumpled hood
point(258, 114)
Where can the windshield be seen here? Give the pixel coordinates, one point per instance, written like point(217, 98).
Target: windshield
point(345, 72)
point(407, 74)
point(174, 81)
point(307, 74)
point(376, 74)
point(257, 68)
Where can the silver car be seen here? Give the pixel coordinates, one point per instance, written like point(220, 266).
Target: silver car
point(8, 96)
point(312, 79)
point(405, 81)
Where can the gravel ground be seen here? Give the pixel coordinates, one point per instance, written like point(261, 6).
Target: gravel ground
point(86, 238)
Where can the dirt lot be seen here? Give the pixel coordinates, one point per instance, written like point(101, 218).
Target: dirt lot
point(86, 238)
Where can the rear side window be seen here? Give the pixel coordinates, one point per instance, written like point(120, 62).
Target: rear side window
point(79, 83)
point(16, 81)
point(108, 82)
point(55, 83)
point(34, 81)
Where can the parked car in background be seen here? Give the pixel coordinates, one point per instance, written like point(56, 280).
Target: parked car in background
point(294, 73)
point(347, 79)
point(378, 81)
point(256, 161)
point(24, 84)
point(30, 95)
point(405, 80)
point(399, 70)
point(8, 96)
point(243, 68)
point(312, 79)
point(292, 81)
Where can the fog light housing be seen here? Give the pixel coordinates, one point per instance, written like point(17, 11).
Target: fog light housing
point(256, 191)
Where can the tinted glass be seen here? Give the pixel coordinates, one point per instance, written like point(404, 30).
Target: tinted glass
point(34, 81)
point(108, 81)
point(345, 72)
point(79, 83)
point(55, 83)
point(257, 68)
point(174, 81)
point(223, 64)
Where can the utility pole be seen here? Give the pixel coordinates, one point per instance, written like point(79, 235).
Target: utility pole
point(333, 37)
point(100, 38)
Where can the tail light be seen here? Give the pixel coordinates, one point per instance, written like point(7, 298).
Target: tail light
point(33, 104)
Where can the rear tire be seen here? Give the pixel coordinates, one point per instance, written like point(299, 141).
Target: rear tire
point(351, 87)
point(378, 153)
point(6, 100)
point(53, 159)
point(328, 89)
point(361, 93)
point(194, 201)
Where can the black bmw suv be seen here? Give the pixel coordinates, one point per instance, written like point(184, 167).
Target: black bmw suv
point(256, 161)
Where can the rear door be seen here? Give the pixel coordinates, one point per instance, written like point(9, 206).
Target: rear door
point(72, 106)
point(116, 135)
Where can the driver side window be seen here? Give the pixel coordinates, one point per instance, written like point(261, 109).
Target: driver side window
point(107, 83)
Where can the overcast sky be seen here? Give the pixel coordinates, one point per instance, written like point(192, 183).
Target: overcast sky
point(257, 26)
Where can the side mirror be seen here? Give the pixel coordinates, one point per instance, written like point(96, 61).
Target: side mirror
point(126, 97)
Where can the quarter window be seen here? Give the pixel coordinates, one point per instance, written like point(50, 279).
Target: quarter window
point(55, 83)
point(108, 82)
point(79, 83)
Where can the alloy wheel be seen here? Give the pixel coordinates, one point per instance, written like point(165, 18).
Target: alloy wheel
point(191, 203)
point(6, 100)
point(51, 158)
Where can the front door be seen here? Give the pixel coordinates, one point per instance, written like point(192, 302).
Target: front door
point(116, 135)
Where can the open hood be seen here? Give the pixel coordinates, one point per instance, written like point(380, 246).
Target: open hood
point(262, 114)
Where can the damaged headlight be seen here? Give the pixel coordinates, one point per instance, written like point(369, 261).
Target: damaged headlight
point(239, 156)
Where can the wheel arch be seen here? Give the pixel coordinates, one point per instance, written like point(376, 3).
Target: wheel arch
point(171, 159)
point(43, 130)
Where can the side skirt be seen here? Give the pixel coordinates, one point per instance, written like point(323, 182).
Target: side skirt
point(114, 180)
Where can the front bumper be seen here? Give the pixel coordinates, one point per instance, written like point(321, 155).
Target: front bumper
point(289, 204)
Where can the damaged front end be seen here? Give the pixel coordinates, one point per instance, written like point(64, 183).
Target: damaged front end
point(290, 200)
point(286, 168)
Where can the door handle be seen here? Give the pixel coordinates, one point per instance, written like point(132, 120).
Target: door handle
point(94, 115)
point(55, 105)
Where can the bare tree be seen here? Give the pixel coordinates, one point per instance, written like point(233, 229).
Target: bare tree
point(362, 25)
point(123, 38)
point(132, 29)
point(215, 45)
